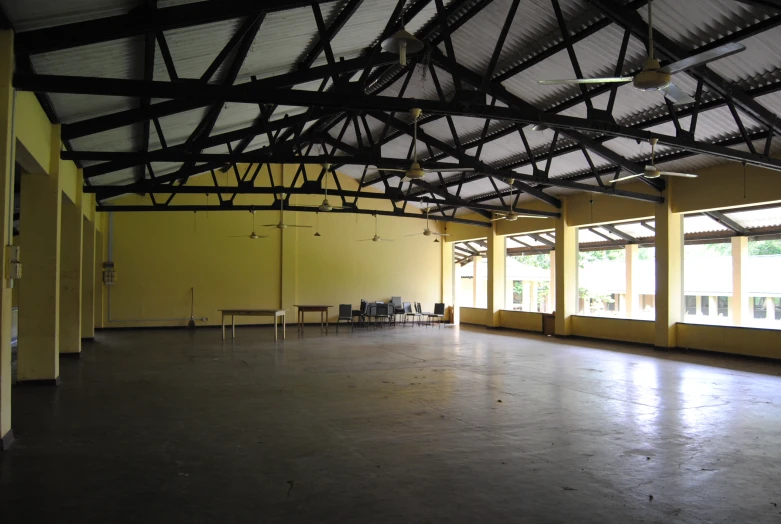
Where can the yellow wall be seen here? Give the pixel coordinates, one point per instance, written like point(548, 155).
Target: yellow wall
point(725, 339)
point(595, 208)
point(160, 256)
point(34, 131)
point(621, 329)
point(726, 186)
point(473, 315)
point(459, 232)
point(523, 320)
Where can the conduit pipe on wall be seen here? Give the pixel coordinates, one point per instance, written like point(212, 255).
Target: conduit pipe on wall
point(132, 320)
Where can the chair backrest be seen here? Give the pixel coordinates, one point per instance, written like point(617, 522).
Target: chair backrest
point(407, 307)
point(369, 309)
point(382, 310)
point(439, 309)
point(396, 301)
point(417, 307)
point(345, 310)
point(363, 305)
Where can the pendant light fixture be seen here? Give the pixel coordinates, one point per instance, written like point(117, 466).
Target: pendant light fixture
point(401, 43)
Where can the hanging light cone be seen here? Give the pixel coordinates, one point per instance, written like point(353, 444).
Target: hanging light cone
point(401, 43)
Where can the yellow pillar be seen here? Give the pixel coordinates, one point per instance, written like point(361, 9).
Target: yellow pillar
point(739, 301)
point(39, 293)
point(72, 224)
point(98, 288)
point(288, 241)
point(669, 274)
point(477, 263)
point(566, 267)
point(6, 225)
point(495, 296)
point(631, 256)
point(448, 279)
point(88, 279)
point(457, 271)
point(552, 284)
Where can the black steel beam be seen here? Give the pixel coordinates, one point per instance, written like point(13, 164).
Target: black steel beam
point(317, 46)
point(140, 21)
point(727, 222)
point(612, 229)
point(113, 208)
point(247, 93)
point(665, 47)
point(123, 118)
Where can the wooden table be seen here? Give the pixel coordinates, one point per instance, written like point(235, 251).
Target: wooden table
point(312, 309)
point(233, 313)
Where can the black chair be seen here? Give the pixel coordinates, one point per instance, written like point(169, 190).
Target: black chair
point(407, 312)
point(382, 313)
point(418, 314)
point(360, 311)
point(439, 313)
point(345, 314)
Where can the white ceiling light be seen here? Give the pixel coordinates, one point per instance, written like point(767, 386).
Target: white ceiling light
point(401, 43)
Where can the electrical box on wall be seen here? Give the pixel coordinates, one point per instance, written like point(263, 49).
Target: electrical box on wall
point(13, 263)
point(109, 275)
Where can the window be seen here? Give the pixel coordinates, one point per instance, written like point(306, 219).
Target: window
point(707, 283)
point(471, 273)
point(602, 283)
point(764, 283)
point(528, 282)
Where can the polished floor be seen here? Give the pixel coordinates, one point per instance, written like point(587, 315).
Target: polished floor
point(418, 425)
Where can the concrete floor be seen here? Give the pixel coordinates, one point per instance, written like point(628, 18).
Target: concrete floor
point(403, 425)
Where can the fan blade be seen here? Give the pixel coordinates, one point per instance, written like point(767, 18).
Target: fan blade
point(531, 216)
point(496, 219)
point(448, 169)
point(703, 58)
point(441, 234)
point(618, 80)
point(676, 96)
point(289, 225)
point(366, 240)
point(414, 235)
point(239, 236)
point(385, 240)
point(673, 173)
point(626, 178)
point(391, 169)
point(270, 225)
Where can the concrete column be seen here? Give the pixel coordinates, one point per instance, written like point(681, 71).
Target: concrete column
point(713, 306)
point(288, 246)
point(697, 305)
point(477, 262)
point(39, 292)
point(98, 263)
point(448, 276)
point(457, 271)
point(88, 279)
point(632, 256)
point(533, 296)
point(7, 143)
point(566, 254)
point(496, 281)
point(71, 247)
point(669, 271)
point(552, 283)
point(740, 301)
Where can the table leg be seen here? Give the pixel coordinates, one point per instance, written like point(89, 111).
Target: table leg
point(284, 324)
point(326, 322)
point(233, 325)
point(321, 322)
point(223, 326)
point(275, 329)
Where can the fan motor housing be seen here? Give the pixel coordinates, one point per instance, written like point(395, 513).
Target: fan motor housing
point(650, 78)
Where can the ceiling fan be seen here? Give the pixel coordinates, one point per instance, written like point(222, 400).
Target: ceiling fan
point(653, 77)
point(512, 216)
point(415, 171)
point(326, 206)
point(427, 232)
point(282, 224)
point(651, 171)
point(253, 235)
point(376, 237)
